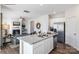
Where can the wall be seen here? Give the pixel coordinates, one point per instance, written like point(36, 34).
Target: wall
point(72, 28)
point(43, 20)
point(54, 20)
point(58, 17)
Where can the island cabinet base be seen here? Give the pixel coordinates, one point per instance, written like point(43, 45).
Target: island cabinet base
point(42, 47)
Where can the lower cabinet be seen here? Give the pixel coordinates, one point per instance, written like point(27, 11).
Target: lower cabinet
point(48, 45)
point(42, 47)
point(39, 50)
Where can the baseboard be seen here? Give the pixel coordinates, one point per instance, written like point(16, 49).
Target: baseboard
point(73, 46)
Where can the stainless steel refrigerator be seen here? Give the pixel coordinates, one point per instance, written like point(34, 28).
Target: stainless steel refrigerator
point(60, 27)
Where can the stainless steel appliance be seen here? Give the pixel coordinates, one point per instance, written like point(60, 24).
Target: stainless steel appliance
point(60, 27)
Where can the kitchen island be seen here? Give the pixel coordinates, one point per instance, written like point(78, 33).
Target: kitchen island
point(34, 44)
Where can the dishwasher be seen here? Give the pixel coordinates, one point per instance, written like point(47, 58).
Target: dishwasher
point(54, 41)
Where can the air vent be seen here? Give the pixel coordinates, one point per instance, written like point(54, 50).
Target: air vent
point(9, 4)
point(26, 11)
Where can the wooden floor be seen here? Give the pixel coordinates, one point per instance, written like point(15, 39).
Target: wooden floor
point(59, 50)
point(8, 50)
point(64, 49)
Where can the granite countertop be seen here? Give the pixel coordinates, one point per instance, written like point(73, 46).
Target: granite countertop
point(22, 35)
point(32, 39)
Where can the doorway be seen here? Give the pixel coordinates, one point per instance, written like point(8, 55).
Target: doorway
point(31, 27)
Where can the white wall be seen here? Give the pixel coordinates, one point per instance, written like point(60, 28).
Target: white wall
point(58, 17)
point(54, 20)
point(72, 26)
point(43, 20)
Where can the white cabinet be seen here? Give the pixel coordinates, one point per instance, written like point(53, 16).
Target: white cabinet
point(48, 45)
point(51, 43)
point(42, 47)
point(27, 48)
point(38, 48)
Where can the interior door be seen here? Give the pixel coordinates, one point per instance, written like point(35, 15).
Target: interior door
point(77, 33)
point(71, 31)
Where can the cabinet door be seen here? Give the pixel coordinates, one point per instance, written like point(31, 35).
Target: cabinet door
point(43, 47)
point(27, 48)
point(48, 46)
point(51, 43)
point(38, 48)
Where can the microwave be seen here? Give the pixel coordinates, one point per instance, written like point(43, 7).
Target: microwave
point(16, 23)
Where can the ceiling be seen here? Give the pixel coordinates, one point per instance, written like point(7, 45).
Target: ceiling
point(36, 10)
